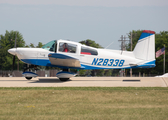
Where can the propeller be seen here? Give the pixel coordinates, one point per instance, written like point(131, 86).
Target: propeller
point(14, 55)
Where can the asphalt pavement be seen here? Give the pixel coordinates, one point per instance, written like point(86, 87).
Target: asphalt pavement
point(85, 82)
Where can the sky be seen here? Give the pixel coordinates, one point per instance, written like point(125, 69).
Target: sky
point(103, 21)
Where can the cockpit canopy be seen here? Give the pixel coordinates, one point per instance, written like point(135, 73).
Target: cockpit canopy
point(62, 47)
point(69, 47)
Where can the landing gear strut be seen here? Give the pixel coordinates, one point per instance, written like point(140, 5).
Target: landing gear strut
point(34, 67)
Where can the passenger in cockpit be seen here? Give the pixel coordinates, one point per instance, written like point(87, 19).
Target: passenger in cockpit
point(65, 47)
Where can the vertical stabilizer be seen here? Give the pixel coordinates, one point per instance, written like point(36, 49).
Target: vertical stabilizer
point(145, 48)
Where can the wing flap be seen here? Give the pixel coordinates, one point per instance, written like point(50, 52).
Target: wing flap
point(133, 64)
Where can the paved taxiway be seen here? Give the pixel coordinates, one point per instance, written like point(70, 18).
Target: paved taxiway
point(85, 82)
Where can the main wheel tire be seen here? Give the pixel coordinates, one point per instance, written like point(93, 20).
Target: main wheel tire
point(28, 78)
point(64, 79)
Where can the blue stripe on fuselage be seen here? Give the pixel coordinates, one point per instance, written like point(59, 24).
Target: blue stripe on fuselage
point(40, 62)
point(46, 62)
point(146, 65)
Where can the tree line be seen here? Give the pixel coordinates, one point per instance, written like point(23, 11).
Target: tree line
point(7, 41)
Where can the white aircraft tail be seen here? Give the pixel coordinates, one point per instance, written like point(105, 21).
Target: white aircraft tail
point(145, 48)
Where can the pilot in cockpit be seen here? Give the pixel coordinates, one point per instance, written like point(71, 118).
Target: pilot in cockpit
point(65, 47)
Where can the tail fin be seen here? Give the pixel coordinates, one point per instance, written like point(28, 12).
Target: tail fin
point(145, 48)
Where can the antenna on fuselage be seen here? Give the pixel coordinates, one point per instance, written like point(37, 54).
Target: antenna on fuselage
point(109, 45)
point(123, 44)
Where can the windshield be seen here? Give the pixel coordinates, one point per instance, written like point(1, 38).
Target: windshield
point(50, 46)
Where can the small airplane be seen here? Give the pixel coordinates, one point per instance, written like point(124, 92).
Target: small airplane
point(68, 54)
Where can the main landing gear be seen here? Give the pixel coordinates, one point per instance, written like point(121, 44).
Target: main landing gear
point(64, 79)
point(28, 78)
point(65, 75)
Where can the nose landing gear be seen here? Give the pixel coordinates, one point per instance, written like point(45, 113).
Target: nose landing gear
point(27, 74)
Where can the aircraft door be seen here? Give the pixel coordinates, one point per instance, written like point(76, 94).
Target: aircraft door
point(66, 55)
point(87, 54)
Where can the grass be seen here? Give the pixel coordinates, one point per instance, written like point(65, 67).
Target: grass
point(84, 103)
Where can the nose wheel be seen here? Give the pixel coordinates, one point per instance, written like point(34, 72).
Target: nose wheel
point(29, 75)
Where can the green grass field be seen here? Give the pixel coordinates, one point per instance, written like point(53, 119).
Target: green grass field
point(71, 103)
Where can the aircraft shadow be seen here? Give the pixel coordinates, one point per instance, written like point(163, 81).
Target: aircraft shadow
point(45, 80)
point(56, 80)
point(98, 80)
point(13, 80)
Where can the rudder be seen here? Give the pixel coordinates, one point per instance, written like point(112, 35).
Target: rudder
point(145, 48)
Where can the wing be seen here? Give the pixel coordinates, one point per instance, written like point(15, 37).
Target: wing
point(64, 60)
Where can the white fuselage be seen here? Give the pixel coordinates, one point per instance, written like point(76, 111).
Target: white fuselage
point(105, 59)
